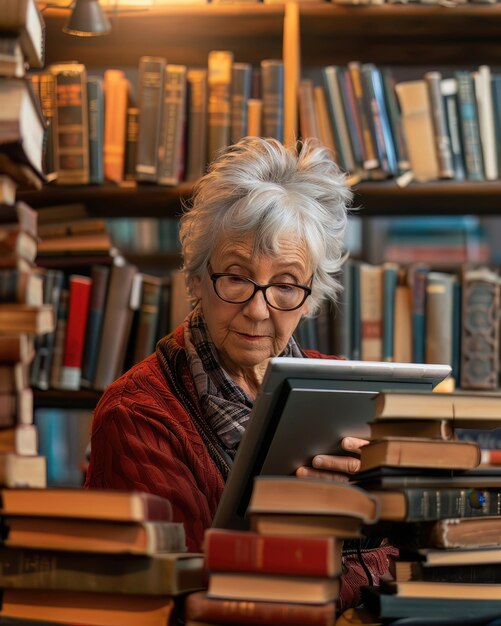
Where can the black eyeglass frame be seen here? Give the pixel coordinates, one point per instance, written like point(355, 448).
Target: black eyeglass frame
point(258, 287)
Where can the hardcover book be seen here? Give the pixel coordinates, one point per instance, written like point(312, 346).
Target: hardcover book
point(72, 137)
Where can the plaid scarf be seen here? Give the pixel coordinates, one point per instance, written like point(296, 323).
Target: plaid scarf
point(226, 405)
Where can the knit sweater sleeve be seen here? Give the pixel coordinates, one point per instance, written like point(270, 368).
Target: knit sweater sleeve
point(137, 445)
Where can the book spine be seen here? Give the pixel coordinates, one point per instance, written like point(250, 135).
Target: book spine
point(438, 117)
point(496, 111)
point(78, 307)
point(173, 123)
point(220, 63)
point(370, 156)
point(468, 116)
point(356, 328)
point(241, 84)
point(47, 90)
point(353, 122)
point(417, 279)
point(377, 118)
point(449, 90)
point(465, 573)
point(99, 277)
point(211, 610)
point(480, 331)
point(395, 120)
point(307, 117)
point(390, 275)
point(434, 504)
point(148, 318)
point(439, 318)
point(272, 93)
point(131, 142)
point(59, 338)
point(44, 344)
point(233, 551)
point(116, 326)
point(371, 312)
point(79, 571)
point(72, 149)
point(197, 123)
point(116, 89)
point(95, 103)
point(337, 119)
point(483, 92)
point(151, 93)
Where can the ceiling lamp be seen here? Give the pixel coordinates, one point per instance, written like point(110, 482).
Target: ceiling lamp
point(87, 19)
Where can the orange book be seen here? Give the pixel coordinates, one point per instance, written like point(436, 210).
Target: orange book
point(116, 91)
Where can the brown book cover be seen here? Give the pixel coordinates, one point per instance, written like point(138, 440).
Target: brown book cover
point(116, 92)
point(24, 318)
point(465, 409)
point(14, 377)
point(261, 587)
point(131, 143)
point(219, 104)
point(16, 347)
point(168, 574)
point(17, 215)
point(197, 123)
point(103, 504)
point(422, 453)
point(343, 527)
point(310, 496)
point(480, 330)
point(16, 408)
point(200, 608)
point(91, 609)
point(94, 535)
point(71, 119)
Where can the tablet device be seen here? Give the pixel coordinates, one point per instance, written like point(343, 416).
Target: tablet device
point(305, 407)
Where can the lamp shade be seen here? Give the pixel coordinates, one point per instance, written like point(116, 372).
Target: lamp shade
point(87, 19)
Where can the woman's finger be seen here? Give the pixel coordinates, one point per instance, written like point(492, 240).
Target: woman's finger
point(353, 444)
point(344, 464)
point(309, 472)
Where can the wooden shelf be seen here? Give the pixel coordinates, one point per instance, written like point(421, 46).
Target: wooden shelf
point(112, 201)
point(400, 34)
point(378, 198)
point(171, 32)
point(435, 198)
point(422, 34)
point(56, 398)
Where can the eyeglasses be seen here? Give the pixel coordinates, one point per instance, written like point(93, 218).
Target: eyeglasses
point(237, 289)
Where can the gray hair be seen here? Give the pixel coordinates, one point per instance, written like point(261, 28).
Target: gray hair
point(259, 187)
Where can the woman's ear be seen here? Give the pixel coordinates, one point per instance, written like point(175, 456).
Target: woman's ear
point(196, 287)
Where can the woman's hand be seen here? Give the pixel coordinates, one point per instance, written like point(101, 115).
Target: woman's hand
point(333, 467)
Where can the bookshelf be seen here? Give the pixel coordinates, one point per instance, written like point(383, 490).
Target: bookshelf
point(421, 36)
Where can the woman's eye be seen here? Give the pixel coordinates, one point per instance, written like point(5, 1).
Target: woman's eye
point(238, 279)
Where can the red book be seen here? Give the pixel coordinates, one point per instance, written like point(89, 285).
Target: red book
point(235, 551)
point(78, 309)
point(200, 608)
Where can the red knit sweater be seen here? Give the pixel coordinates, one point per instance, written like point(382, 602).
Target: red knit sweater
point(144, 439)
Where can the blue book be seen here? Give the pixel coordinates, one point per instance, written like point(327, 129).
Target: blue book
point(417, 280)
point(468, 115)
point(378, 118)
point(100, 277)
point(449, 89)
point(351, 116)
point(272, 89)
point(95, 103)
point(390, 276)
point(356, 329)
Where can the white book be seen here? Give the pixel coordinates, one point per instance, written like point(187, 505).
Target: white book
point(483, 94)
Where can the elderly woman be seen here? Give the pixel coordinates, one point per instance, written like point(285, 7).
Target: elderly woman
point(261, 242)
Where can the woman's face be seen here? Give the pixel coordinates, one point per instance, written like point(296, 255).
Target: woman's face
point(247, 335)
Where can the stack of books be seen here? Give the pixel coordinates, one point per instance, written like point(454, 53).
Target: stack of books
point(93, 557)
point(439, 504)
point(286, 569)
point(22, 317)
